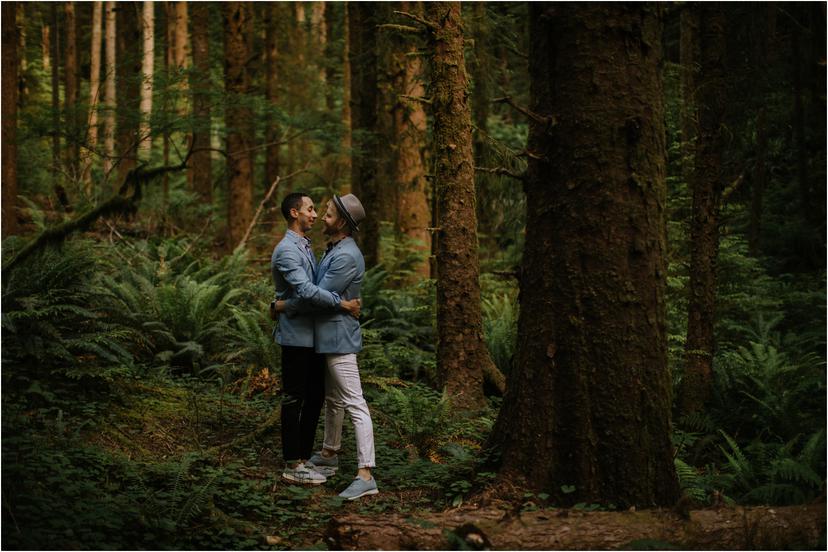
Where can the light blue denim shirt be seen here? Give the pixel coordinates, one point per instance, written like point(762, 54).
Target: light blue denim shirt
point(293, 267)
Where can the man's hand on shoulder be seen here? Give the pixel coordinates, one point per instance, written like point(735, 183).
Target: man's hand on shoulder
point(352, 306)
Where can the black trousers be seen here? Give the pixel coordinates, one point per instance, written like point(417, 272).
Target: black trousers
point(303, 393)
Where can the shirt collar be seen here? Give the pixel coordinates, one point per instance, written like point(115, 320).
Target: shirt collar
point(297, 237)
point(331, 245)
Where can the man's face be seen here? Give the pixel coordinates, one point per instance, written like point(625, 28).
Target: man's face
point(306, 214)
point(331, 220)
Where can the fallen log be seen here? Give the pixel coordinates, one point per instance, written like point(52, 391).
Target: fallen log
point(755, 528)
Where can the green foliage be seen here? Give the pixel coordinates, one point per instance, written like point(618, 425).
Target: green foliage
point(500, 314)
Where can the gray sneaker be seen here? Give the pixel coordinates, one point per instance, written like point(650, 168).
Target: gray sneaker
point(303, 474)
point(359, 487)
point(325, 466)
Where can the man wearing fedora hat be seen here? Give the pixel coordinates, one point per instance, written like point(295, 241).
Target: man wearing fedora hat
point(338, 336)
point(294, 267)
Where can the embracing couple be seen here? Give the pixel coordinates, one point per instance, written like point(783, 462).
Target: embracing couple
point(317, 305)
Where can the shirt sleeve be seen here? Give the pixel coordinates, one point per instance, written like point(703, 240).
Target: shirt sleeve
point(289, 265)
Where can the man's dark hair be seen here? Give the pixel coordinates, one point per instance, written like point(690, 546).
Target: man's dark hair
point(292, 201)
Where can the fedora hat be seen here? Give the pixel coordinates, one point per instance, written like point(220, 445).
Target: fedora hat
point(351, 208)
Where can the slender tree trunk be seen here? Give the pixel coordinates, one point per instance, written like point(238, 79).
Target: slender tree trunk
point(182, 38)
point(109, 88)
point(799, 129)
point(200, 172)
point(272, 131)
point(346, 96)
point(688, 52)
point(363, 63)
point(407, 175)
point(94, 94)
point(462, 355)
point(764, 44)
point(46, 47)
point(54, 54)
point(130, 56)
point(10, 62)
point(330, 58)
point(170, 100)
point(22, 63)
point(238, 33)
point(704, 231)
point(147, 76)
point(71, 91)
point(589, 394)
point(319, 37)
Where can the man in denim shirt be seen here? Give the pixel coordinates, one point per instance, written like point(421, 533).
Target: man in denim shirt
point(293, 267)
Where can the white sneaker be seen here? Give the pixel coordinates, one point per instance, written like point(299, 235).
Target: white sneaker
point(303, 475)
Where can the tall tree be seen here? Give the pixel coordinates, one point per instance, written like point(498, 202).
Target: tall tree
point(362, 52)
point(238, 37)
point(346, 93)
point(708, 186)
point(71, 81)
point(147, 76)
point(272, 18)
point(129, 65)
point(200, 171)
point(9, 117)
point(462, 356)
point(406, 179)
point(587, 404)
point(109, 86)
point(94, 94)
point(55, 81)
point(688, 53)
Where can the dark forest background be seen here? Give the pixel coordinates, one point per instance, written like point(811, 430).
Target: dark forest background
point(595, 245)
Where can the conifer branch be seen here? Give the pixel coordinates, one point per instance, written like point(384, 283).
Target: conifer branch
point(501, 171)
point(419, 19)
point(400, 28)
point(549, 120)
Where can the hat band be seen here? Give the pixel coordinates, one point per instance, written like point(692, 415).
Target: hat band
point(341, 208)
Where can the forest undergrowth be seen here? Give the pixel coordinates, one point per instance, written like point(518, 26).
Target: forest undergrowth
point(140, 403)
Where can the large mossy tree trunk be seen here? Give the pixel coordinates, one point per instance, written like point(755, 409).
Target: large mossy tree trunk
point(362, 52)
point(708, 186)
point(238, 35)
point(9, 117)
point(462, 356)
point(586, 416)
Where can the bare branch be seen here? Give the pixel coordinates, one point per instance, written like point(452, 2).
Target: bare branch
point(419, 19)
point(400, 28)
point(426, 101)
point(549, 120)
point(501, 171)
point(733, 187)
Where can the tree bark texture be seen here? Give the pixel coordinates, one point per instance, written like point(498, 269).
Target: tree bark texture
point(272, 131)
point(238, 36)
point(688, 53)
point(147, 76)
point(407, 183)
point(346, 96)
point(94, 94)
point(55, 82)
point(130, 57)
point(590, 389)
point(71, 81)
point(708, 186)
point(200, 173)
point(9, 117)
point(182, 38)
point(109, 87)
point(363, 62)
point(462, 356)
point(761, 528)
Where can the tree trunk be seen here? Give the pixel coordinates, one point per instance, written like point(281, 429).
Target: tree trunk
point(10, 62)
point(272, 131)
point(54, 54)
point(238, 34)
point(462, 356)
point(129, 85)
point(71, 91)
point(22, 63)
point(346, 96)
point(764, 47)
point(94, 95)
point(182, 38)
point(109, 89)
point(319, 37)
point(589, 394)
point(407, 184)
point(147, 75)
point(688, 52)
point(200, 169)
point(704, 231)
point(363, 61)
point(761, 528)
point(46, 47)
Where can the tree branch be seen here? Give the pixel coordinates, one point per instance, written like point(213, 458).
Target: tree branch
point(426, 101)
point(501, 171)
point(419, 19)
point(733, 187)
point(400, 28)
point(549, 121)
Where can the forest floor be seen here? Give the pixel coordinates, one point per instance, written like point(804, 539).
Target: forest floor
point(207, 467)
